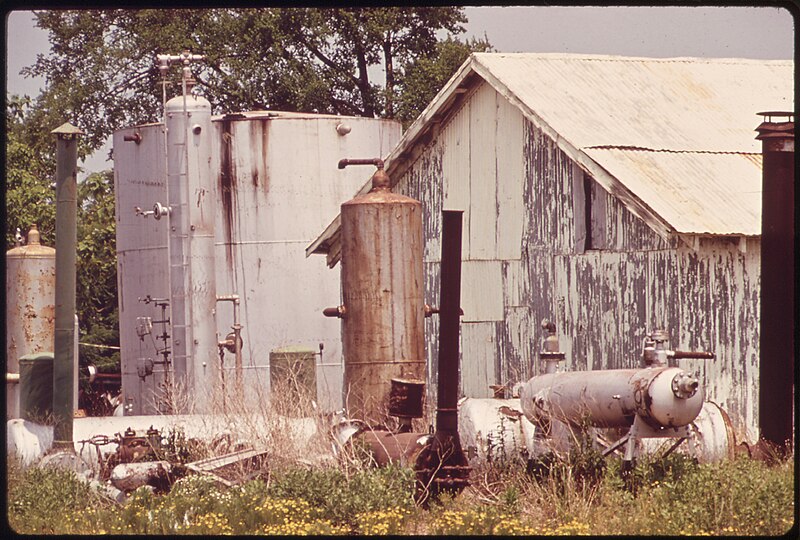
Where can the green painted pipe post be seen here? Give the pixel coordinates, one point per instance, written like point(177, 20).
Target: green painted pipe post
point(66, 249)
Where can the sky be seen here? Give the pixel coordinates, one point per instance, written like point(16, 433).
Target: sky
point(722, 32)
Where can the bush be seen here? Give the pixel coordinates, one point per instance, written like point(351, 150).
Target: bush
point(679, 496)
point(47, 500)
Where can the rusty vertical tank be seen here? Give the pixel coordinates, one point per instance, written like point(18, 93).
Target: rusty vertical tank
point(382, 290)
point(30, 307)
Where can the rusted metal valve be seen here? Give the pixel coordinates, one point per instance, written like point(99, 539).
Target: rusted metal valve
point(380, 180)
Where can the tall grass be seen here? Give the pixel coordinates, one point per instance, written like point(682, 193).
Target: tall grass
point(303, 489)
point(672, 496)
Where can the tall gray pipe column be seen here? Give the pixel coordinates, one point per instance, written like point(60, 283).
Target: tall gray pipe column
point(777, 361)
point(66, 242)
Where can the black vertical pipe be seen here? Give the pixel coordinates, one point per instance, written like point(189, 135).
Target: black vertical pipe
point(66, 243)
point(449, 320)
point(776, 366)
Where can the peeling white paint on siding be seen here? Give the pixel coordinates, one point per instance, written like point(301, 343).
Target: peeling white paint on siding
point(483, 174)
point(482, 291)
point(478, 353)
point(510, 180)
point(456, 168)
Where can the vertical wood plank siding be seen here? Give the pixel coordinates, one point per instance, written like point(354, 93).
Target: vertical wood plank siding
point(516, 188)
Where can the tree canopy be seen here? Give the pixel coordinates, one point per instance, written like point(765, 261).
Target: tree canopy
point(101, 70)
point(101, 75)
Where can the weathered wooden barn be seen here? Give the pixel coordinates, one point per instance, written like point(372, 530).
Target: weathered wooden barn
point(611, 195)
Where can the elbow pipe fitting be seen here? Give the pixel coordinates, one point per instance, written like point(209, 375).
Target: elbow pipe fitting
point(369, 161)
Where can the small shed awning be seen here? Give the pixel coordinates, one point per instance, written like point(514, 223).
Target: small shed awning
point(675, 136)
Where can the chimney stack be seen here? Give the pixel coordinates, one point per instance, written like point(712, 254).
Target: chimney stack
point(776, 375)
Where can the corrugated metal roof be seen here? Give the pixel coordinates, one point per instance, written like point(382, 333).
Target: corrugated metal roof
point(676, 134)
point(687, 104)
point(696, 193)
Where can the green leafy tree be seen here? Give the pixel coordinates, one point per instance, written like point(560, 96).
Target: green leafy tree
point(96, 285)
point(30, 199)
point(102, 75)
point(102, 72)
point(424, 77)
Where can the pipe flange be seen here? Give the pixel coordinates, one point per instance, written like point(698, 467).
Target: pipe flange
point(684, 385)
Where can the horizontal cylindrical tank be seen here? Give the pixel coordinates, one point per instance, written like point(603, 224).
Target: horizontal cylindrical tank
point(30, 307)
point(494, 429)
point(712, 433)
point(382, 290)
point(662, 396)
point(30, 440)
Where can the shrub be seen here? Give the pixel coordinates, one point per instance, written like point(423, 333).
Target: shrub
point(46, 500)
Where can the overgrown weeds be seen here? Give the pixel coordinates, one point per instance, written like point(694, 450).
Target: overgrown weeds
point(675, 496)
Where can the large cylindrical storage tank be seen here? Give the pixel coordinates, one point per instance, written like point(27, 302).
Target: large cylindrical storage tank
point(276, 188)
point(382, 292)
point(192, 199)
point(30, 307)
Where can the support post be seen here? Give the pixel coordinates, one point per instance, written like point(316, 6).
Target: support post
point(66, 242)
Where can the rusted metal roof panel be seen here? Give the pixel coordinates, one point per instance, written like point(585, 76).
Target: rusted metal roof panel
point(700, 104)
point(696, 108)
point(696, 193)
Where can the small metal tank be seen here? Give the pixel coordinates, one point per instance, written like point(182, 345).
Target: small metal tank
point(30, 307)
point(293, 380)
point(36, 387)
point(382, 288)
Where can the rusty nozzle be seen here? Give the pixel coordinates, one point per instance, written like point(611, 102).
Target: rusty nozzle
point(380, 180)
point(378, 162)
point(338, 311)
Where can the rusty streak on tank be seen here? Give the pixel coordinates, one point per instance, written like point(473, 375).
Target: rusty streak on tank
point(227, 183)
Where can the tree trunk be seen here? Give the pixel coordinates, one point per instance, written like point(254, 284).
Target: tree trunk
point(363, 83)
point(389, 66)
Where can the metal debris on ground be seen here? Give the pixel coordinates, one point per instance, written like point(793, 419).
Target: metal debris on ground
point(231, 469)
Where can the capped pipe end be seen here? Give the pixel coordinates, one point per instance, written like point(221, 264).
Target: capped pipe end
point(338, 311)
point(684, 385)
